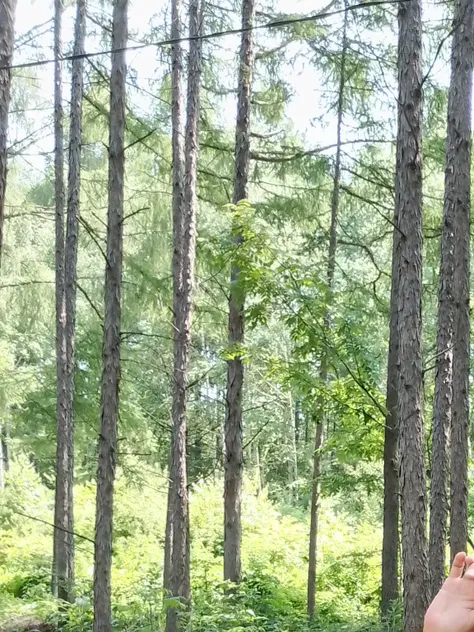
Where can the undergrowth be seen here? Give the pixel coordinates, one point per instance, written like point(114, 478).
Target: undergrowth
point(271, 597)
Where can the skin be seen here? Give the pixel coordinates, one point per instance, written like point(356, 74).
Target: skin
point(452, 609)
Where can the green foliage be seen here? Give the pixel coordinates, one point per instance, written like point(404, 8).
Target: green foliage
point(270, 598)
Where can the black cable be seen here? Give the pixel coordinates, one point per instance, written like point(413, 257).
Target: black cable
point(208, 36)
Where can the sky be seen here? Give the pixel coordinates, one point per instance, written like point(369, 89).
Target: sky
point(307, 102)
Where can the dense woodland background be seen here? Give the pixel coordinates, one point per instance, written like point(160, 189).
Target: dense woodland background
point(222, 435)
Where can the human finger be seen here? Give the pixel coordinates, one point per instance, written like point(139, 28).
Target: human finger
point(458, 565)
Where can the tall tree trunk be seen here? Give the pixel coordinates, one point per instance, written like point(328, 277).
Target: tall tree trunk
point(183, 305)
point(408, 200)
point(314, 519)
point(6, 446)
point(7, 37)
point(293, 444)
point(65, 591)
point(111, 336)
point(233, 463)
point(177, 260)
point(293, 456)
point(320, 414)
point(168, 540)
point(455, 212)
point(458, 172)
point(298, 419)
point(390, 458)
point(61, 540)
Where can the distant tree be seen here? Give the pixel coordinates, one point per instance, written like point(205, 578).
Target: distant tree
point(391, 534)
point(320, 414)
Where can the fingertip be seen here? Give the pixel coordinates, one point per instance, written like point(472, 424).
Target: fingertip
point(458, 565)
point(469, 560)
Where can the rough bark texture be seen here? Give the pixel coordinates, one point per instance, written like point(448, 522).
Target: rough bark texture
point(233, 462)
point(177, 262)
point(66, 591)
point(390, 458)
point(111, 337)
point(456, 207)
point(7, 35)
point(63, 503)
point(183, 305)
point(408, 200)
point(458, 172)
point(319, 438)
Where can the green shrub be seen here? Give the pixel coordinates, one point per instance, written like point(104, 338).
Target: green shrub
point(271, 597)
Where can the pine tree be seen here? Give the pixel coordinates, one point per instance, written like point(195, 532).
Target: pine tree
point(178, 199)
point(233, 463)
point(180, 585)
point(324, 375)
point(67, 250)
point(112, 319)
point(7, 35)
point(63, 503)
point(458, 193)
point(390, 457)
point(408, 200)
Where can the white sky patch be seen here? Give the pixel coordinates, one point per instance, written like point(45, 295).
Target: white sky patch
point(302, 112)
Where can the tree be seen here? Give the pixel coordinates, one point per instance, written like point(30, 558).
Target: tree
point(7, 18)
point(455, 211)
point(458, 193)
point(112, 319)
point(62, 551)
point(66, 252)
point(390, 458)
point(7, 34)
point(233, 463)
point(184, 238)
point(321, 403)
point(177, 259)
point(408, 201)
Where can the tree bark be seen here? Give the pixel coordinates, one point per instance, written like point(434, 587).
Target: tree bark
point(390, 457)
point(314, 520)
point(68, 321)
point(233, 460)
point(183, 304)
point(408, 200)
point(168, 542)
point(456, 208)
point(6, 446)
point(177, 261)
point(319, 438)
point(458, 164)
point(61, 539)
point(111, 335)
point(293, 443)
point(7, 36)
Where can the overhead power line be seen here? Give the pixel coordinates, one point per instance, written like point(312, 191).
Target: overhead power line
point(217, 34)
